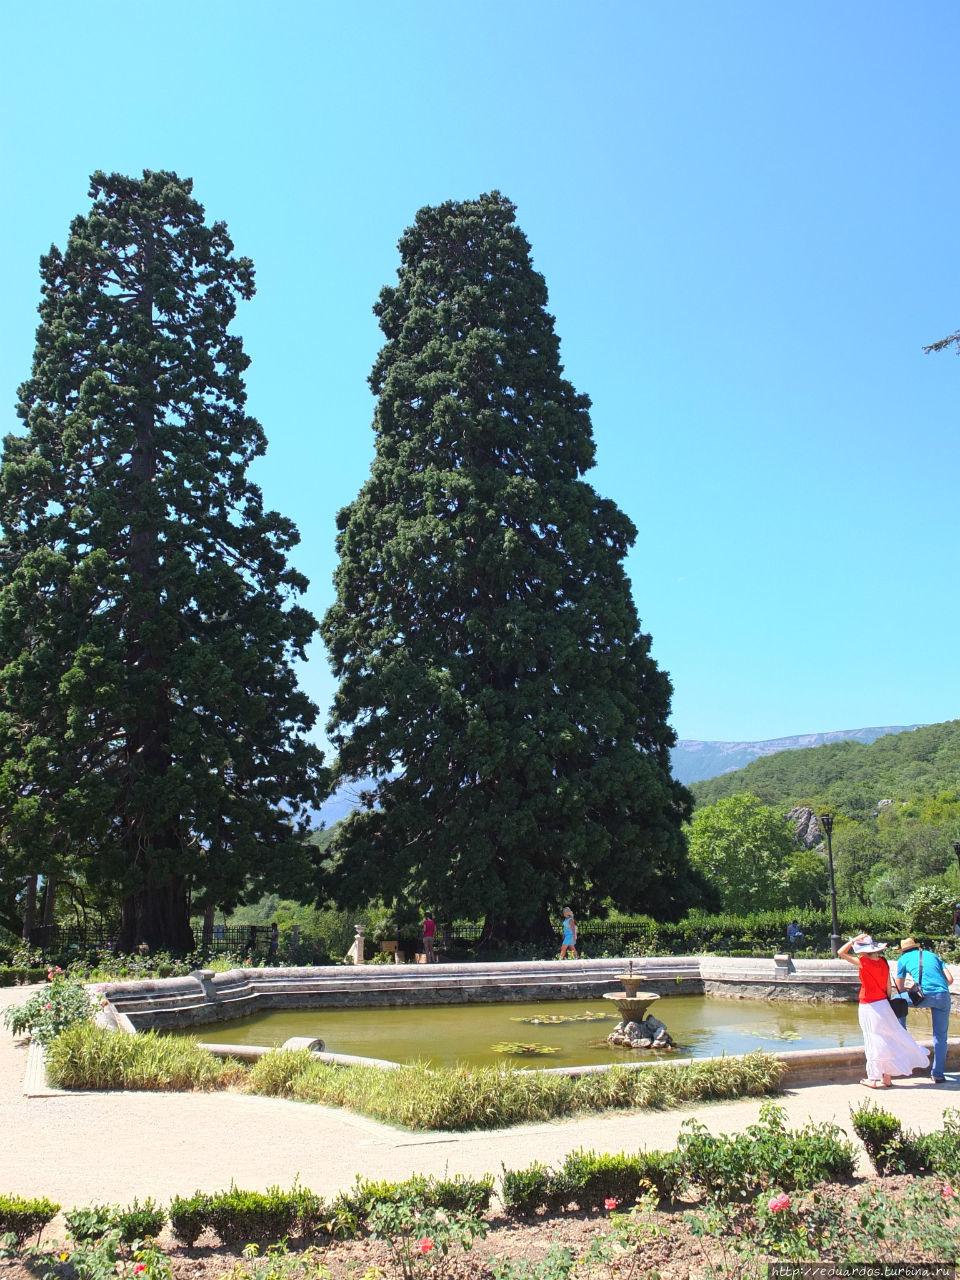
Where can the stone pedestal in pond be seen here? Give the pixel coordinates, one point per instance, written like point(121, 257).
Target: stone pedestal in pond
point(636, 1029)
point(650, 1033)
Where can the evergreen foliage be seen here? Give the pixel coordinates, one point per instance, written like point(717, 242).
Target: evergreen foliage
point(497, 698)
point(150, 723)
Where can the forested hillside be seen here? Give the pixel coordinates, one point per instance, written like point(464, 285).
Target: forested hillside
point(896, 804)
point(850, 778)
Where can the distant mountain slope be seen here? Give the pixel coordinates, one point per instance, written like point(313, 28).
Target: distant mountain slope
point(849, 777)
point(695, 761)
point(700, 763)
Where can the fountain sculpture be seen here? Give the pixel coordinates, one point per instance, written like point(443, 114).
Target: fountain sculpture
point(634, 1030)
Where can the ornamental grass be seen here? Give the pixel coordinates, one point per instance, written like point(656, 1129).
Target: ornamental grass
point(419, 1097)
point(413, 1097)
point(89, 1057)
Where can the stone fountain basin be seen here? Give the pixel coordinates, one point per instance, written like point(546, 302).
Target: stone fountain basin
point(632, 1007)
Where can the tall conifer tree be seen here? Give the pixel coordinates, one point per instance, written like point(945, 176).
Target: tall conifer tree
point(150, 722)
point(496, 692)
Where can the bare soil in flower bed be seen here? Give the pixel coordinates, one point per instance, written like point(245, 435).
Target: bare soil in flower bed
point(677, 1254)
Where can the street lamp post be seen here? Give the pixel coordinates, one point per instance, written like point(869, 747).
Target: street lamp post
point(826, 825)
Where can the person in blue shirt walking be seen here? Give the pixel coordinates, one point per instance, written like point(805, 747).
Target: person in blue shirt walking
point(934, 980)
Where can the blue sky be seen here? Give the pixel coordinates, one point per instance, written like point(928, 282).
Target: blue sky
point(746, 214)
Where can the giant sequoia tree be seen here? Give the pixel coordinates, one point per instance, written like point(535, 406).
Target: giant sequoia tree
point(496, 693)
point(150, 722)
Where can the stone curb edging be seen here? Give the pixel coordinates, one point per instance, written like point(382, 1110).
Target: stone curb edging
point(35, 1076)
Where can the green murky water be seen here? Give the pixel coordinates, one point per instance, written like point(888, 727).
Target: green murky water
point(446, 1034)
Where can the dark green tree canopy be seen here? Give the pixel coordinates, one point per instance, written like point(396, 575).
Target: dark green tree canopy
point(496, 691)
point(151, 727)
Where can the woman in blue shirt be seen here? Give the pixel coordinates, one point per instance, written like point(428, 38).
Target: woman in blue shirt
point(935, 981)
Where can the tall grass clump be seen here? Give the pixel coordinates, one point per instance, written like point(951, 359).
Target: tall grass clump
point(89, 1057)
point(460, 1098)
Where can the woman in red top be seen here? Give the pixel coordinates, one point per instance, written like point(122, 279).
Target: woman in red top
point(890, 1050)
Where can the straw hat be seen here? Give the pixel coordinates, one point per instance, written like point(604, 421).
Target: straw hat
point(908, 944)
point(868, 947)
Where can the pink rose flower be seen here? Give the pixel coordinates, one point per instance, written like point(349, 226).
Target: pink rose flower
point(139, 1268)
point(611, 1202)
point(778, 1203)
point(425, 1245)
point(948, 1192)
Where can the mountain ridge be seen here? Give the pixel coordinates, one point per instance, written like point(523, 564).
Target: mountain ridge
point(692, 760)
point(696, 760)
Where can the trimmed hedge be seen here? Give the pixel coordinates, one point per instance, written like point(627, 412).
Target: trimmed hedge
point(726, 934)
point(15, 976)
point(23, 1217)
point(586, 1179)
point(722, 1167)
point(241, 1217)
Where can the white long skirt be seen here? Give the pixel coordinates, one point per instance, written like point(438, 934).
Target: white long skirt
point(891, 1051)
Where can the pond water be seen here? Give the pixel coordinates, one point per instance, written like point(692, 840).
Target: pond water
point(446, 1034)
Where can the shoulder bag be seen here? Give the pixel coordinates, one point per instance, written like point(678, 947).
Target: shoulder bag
point(899, 1004)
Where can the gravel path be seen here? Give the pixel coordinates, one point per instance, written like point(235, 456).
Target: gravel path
point(84, 1147)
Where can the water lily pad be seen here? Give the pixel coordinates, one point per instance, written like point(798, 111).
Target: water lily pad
point(555, 1019)
point(533, 1050)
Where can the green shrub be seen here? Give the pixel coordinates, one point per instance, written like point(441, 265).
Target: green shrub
point(928, 911)
point(404, 1227)
point(942, 1148)
point(62, 1003)
point(140, 1221)
point(239, 1217)
point(136, 1222)
point(524, 1191)
point(189, 1216)
point(891, 1149)
point(16, 975)
point(21, 1217)
point(351, 1210)
point(91, 1222)
point(589, 1179)
point(731, 1167)
point(461, 1194)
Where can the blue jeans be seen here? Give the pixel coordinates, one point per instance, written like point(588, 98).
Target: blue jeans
point(938, 1002)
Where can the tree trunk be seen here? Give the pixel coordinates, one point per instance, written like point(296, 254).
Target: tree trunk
point(29, 908)
point(159, 916)
point(500, 929)
point(49, 901)
point(206, 939)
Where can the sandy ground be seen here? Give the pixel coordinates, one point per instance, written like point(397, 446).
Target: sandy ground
point(109, 1147)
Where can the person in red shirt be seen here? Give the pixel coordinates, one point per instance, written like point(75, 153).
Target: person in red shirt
point(890, 1050)
point(429, 933)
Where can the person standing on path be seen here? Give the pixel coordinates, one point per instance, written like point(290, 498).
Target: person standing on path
point(569, 940)
point(927, 971)
point(429, 933)
point(890, 1050)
